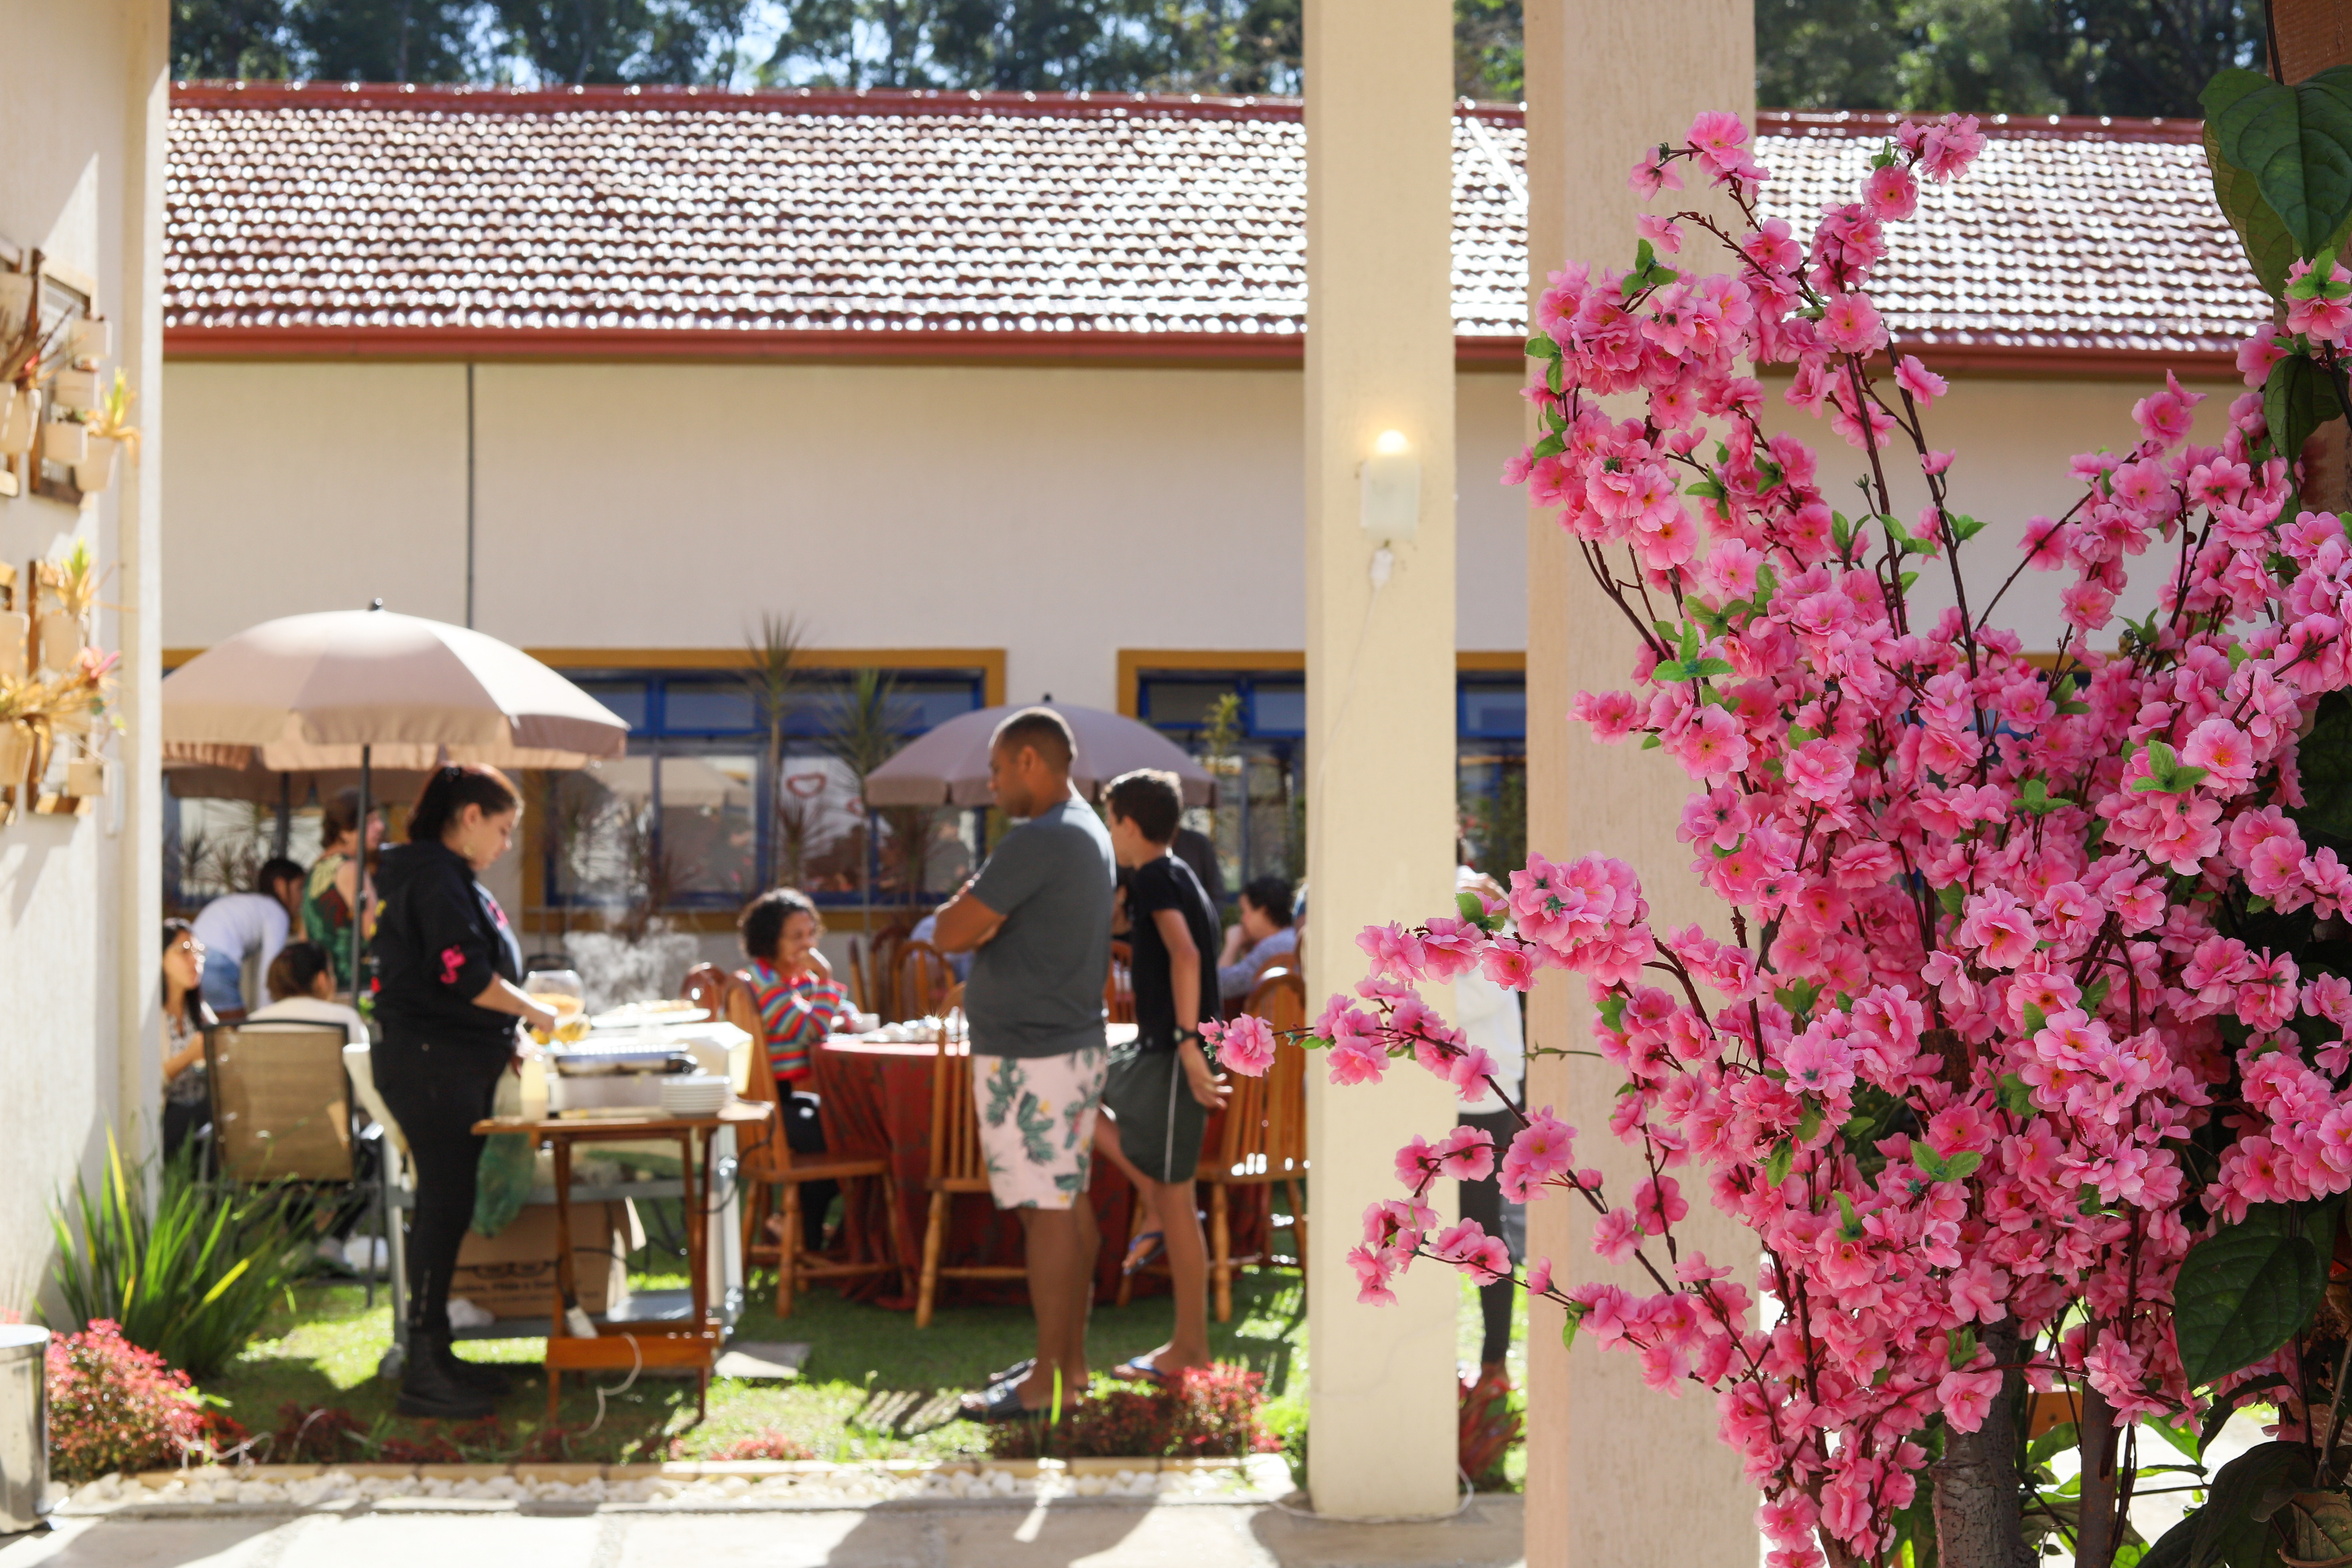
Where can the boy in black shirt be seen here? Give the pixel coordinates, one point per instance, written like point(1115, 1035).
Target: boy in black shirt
point(1161, 1089)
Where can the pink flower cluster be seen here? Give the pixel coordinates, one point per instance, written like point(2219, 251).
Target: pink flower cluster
point(1983, 985)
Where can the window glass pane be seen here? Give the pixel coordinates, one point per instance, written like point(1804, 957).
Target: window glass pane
point(1280, 708)
point(600, 834)
point(924, 849)
point(919, 705)
point(627, 699)
point(216, 845)
point(707, 827)
point(705, 705)
point(1492, 710)
point(820, 827)
point(1181, 703)
point(1492, 786)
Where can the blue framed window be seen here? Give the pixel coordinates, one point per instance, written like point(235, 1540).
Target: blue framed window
point(700, 814)
point(1249, 729)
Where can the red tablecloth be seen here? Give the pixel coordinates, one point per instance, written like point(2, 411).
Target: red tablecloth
point(876, 1100)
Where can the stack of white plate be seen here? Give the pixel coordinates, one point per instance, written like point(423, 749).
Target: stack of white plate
point(693, 1094)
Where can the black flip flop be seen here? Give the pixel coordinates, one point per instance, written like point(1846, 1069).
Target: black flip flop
point(1013, 1373)
point(999, 1404)
point(1158, 1241)
point(1138, 1369)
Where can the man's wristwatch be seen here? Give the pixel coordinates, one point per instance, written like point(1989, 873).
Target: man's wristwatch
point(1184, 1034)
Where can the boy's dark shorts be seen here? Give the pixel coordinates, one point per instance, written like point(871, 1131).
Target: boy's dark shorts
point(1161, 1125)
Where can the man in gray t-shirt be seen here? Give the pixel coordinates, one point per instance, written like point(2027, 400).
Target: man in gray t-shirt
point(1039, 916)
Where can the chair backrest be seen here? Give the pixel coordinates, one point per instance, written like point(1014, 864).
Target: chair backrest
point(882, 967)
point(1119, 985)
point(706, 987)
point(281, 1104)
point(1265, 1118)
point(956, 1155)
point(925, 980)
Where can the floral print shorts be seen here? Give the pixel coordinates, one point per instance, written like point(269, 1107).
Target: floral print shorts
point(1037, 1124)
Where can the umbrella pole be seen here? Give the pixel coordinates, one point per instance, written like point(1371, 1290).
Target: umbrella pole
point(359, 904)
point(284, 830)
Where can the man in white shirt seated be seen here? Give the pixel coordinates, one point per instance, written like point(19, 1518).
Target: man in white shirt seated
point(235, 925)
point(1265, 931)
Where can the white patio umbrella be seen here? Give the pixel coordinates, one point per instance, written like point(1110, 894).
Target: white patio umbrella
point(949, 765)
point(358, 688)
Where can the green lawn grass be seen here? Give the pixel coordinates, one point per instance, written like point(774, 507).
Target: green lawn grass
point(322, 1348)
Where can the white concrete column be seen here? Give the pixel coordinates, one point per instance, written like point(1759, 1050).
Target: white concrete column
point(1619, 1474)
point(1379, 686)
point(138, 859)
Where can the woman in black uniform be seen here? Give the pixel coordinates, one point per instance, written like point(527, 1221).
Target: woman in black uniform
point(446, 994)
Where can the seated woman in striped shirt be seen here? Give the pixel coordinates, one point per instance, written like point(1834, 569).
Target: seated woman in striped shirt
point(800, 1004)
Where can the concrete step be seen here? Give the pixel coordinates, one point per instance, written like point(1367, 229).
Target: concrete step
point(1064, 1534)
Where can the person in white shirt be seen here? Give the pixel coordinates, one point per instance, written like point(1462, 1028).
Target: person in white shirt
point(234, 925)
point(303, 991)
point(1265, 931)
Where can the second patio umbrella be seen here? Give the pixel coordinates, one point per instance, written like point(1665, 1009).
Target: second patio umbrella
point(356, 689)
point(949, 765)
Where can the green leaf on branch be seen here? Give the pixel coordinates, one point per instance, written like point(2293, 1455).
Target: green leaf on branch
point(2016, 1095)
point(1965, 527)
point(2096, 993)
point(2035, 1019)
point(1612, 1012)
point(2167, 774)
point(1849, 1222)
point(1776, 1164)
point(2321, 1525)
point(1951, 895)
point(1541, 346)
point(2325, 763)
point(2245, 1291)
point(2298, 398)
point(2233, 1527)
point(1936, 1168)
point(1550, 447)
point(2296, 142)
point(2270, 249)
point(1810, 1123)
point(1575, 1315)
point(2034, 796)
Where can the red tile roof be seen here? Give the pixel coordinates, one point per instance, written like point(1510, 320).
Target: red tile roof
point(687, 223)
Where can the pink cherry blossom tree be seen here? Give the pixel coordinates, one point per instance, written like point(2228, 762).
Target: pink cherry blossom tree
point(2020, 1047)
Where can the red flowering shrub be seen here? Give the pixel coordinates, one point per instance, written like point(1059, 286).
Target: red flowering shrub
point(113, 1406)
point(321, 1435)
point(1211, 1413)
point(766, 1444)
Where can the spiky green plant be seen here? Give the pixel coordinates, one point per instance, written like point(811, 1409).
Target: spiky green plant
point(190, 1276)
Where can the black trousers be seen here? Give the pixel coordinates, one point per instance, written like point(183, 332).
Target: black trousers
point(436, 1094)
point(1483, 1200)
point(805, 1134)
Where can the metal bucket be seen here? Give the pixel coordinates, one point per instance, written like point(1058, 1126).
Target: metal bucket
point(24, 1425)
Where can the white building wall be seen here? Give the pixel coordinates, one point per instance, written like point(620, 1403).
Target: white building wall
point(81, 100)
point(1061, 514)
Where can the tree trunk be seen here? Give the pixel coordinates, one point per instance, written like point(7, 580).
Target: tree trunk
point(1976, 1520)
point(2094, 1536)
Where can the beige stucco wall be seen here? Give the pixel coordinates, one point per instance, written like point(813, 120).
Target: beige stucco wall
point(81, 104)
point(1061, 514)
point(667, 506)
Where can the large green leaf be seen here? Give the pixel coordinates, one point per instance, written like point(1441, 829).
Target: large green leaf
point(2320, 1524)
point(2245, 1291)
point(2326, 762)
point(2173, 1548)
point(2270, 249)
point(2296, 141)
point(2233, 1527)
point(2298, 398)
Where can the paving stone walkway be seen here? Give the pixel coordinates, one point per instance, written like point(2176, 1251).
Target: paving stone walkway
point(1071, 1534)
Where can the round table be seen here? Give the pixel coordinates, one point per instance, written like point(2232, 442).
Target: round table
point(875, 1100)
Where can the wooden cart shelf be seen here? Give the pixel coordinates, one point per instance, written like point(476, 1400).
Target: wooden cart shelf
point(693, 1345)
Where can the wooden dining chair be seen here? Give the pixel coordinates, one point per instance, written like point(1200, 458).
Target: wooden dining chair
point(281, 1101)
point(957, 1165)
point(1119, 985)
point(882, 973)
point(1263, 1140)
point(771, 1175)
point(925, 980)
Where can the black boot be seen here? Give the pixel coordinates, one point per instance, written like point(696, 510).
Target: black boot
point(480, 1376)
point(428, 1389)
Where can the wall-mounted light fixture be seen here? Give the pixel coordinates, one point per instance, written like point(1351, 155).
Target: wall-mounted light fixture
point(1389, 481)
